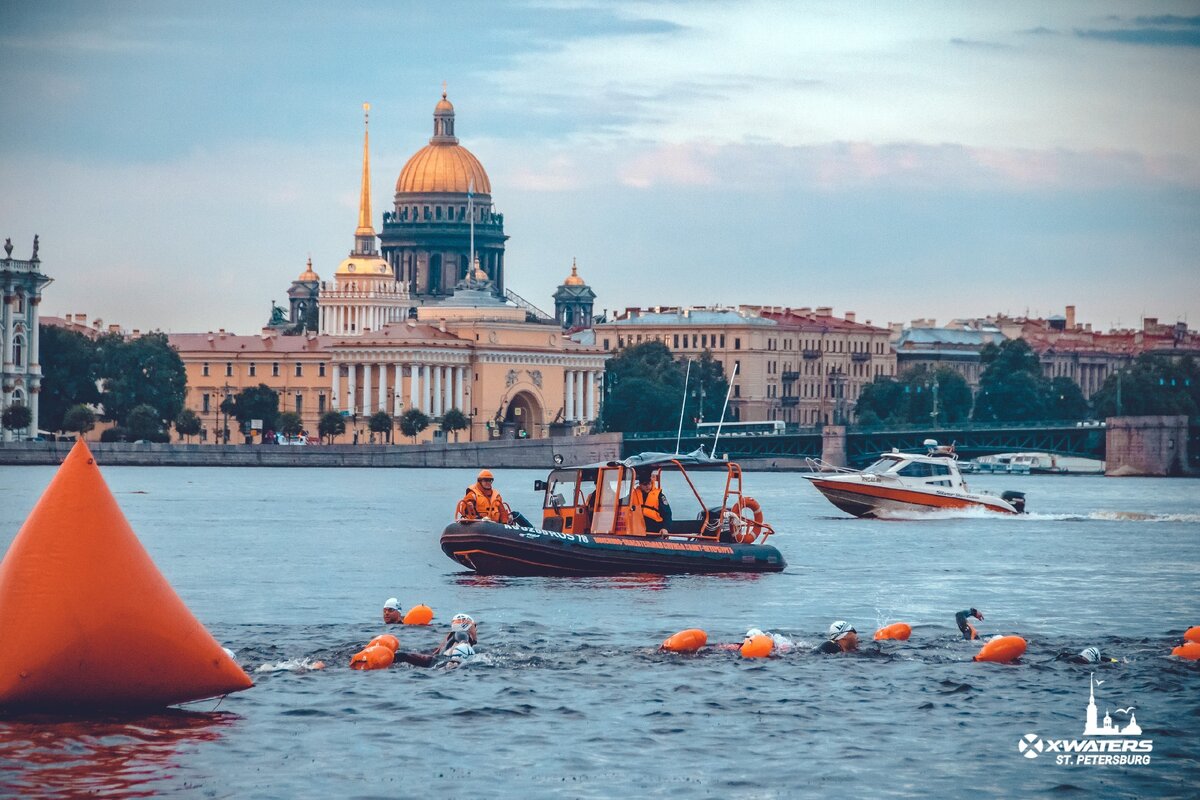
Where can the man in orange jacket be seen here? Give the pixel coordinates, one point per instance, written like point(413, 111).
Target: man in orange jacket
point(484, 502)
point(648, 500)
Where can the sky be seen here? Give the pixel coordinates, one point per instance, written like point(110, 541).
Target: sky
point(181, 161)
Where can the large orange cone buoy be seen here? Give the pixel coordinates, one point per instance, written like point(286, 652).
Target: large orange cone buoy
point(1192, 634)
point(87, 620)
point(688, 641)
point(1188, 650)
point(419, 615)
point(1002, 650)
point(897, 630)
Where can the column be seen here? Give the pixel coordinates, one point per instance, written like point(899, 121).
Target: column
point(383, 387)
point(32, 400)
point(8, 334)
point(413, 382)
point(569, 391)
point(352, 389)
point(366, 390)
point(34, 342)
point(336, 388)
point(425, 404)
point(437, 391)
point(579, 397)
point(396, 401)
point(459, 373)
point(591, 396)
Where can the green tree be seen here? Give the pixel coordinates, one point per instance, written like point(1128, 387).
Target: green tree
point(187, 424)
point(1012, 387)
point(79, 419)
point(255, 402)
point(289, 424)
point(1065, 400)
point(381, 422)
point(141, 371)
point(69, 373)
point(1152, 385)
point(143, 422)
point(911, 399)
point(880, 402)
point(454, 421)
point(412, 422)
point(331, 425)
point(16, 417)
point(228, 409)
point(644, 389)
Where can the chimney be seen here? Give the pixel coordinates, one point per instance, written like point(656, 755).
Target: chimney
point(850, 316)
point(1149, 323)
point(442, 324)
point(824, 311)
point(114, 328)
point(1070, 318)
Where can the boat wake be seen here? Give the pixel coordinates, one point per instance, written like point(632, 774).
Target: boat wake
point(980, 513)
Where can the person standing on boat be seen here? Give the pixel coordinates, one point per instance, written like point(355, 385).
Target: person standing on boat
point(484, 502)
point(842, 639)
point(648, 500)
point(968, 630)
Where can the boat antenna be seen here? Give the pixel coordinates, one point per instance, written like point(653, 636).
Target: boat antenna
point(721, 421)
point(683, 405)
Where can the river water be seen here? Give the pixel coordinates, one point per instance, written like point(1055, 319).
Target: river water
point(569, 696)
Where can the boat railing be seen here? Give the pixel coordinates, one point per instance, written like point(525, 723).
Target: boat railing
point(821, 465)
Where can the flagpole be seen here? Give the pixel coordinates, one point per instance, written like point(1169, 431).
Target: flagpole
point(471, 214)
point(683, 405)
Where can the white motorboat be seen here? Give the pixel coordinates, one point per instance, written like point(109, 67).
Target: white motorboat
point(908, 482)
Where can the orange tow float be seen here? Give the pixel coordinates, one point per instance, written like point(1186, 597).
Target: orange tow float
point(897, 630)
point(372, 657)
point(1192, 634)
point(419, 615)
point(758, 646)
point(386, 640)
point(1188, 650)
point(688, 641)
point(1002, 650)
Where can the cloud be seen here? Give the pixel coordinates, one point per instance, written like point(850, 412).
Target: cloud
point(1168, 19)
point(979, 44)
point(1158, 37)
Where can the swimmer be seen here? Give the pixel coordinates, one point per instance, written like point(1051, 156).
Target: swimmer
point(1088, 655)
point(968, 630)
point(842, 639)
point(462, 631)
point(392, 615)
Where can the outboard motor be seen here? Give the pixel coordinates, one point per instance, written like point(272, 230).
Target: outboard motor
point(1015, 499)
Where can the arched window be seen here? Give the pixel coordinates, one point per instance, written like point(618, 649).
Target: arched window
point(18, 397)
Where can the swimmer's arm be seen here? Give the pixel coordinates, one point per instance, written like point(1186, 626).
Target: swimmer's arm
point(416, 659)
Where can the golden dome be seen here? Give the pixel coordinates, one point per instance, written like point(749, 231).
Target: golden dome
point(443, 166)
point(573, 279)
point(365, 266)
point(308, 274)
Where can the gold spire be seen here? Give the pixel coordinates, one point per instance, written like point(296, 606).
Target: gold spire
point(364, 203)
point(573, 279)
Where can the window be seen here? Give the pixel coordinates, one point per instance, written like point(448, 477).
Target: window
point(204, 369)
point(228, 369)
point(722, 341)
point(299, 403)
point(275, 369)
point(704, 340)
point(676, 342)
point(737, 343)
point(18, 350)
point(737, 390)
point(299, 370)
point(606, 344)
point(321, 370)
point(320, 404)
point(253, 369)
point(916, 469)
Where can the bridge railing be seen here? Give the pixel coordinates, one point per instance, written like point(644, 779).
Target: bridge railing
point(797, 430)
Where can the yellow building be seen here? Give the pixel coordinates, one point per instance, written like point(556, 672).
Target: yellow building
point(421, 326)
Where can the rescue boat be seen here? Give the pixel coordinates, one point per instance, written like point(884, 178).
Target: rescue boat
point(588, 528)
point(906, 482)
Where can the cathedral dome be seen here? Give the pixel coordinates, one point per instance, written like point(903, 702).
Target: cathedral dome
point(308, 276)
point(443, 166)
point(573, 279)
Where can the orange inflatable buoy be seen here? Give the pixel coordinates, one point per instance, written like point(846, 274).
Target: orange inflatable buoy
point(758, 646)
point(386, 640)
point(1188, 650)
point(688, 641)
point(1002, 650)
point(1192, 634)
point(372, 657)
point(86, 618)
point(419, 615)
point(897, 630)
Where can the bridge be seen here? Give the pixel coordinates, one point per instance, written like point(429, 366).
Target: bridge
point(864, 444)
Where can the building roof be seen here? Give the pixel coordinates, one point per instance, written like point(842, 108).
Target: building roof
point(803, 320)
point(689, 317)
point(915, 337)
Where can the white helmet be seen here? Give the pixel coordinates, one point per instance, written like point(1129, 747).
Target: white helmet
point(1091, 655)
point(839, 629)
point(461, 622)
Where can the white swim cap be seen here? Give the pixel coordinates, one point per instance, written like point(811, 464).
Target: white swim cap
point(750, 634)
point(839, 629)
point(461, 622)
point(1091, 655)
point(392, 603)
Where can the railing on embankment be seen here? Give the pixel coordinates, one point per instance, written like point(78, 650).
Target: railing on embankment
point(501, 454)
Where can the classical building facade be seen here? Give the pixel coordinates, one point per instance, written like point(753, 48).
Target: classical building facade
point(395, 333)
point(802, 366)
point(21, 284)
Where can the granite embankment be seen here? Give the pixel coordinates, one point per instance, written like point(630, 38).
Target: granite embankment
point(503, 454)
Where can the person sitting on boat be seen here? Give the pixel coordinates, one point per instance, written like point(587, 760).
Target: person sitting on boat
point(648, 500)
point(1088, 655)
point(968, 630)
point(392, 615)
point(842, 639)
point(482, 501)
point(462, 632)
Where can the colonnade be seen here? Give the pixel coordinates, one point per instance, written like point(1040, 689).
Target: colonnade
point(432, 388)
point(341, 320)
point(579, 394)
point(19, 349)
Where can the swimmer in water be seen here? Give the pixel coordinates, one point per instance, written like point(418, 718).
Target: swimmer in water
point(462, 632)
point(968, 630)
point(1088, 655)
point(842, 639)
point(392, 615)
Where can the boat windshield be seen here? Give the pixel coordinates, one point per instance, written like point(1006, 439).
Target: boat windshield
point(881, 466)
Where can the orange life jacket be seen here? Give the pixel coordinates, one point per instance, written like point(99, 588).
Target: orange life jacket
point(477, 505)
point(650, 503)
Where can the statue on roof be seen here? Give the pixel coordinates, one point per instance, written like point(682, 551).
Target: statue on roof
point(34, 257)
point(278, 315)
point(8, 245)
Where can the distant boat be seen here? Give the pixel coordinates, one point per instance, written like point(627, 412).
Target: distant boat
point(1036, 464)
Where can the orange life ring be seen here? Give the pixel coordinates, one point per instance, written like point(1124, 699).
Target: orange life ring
point(746, 529)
